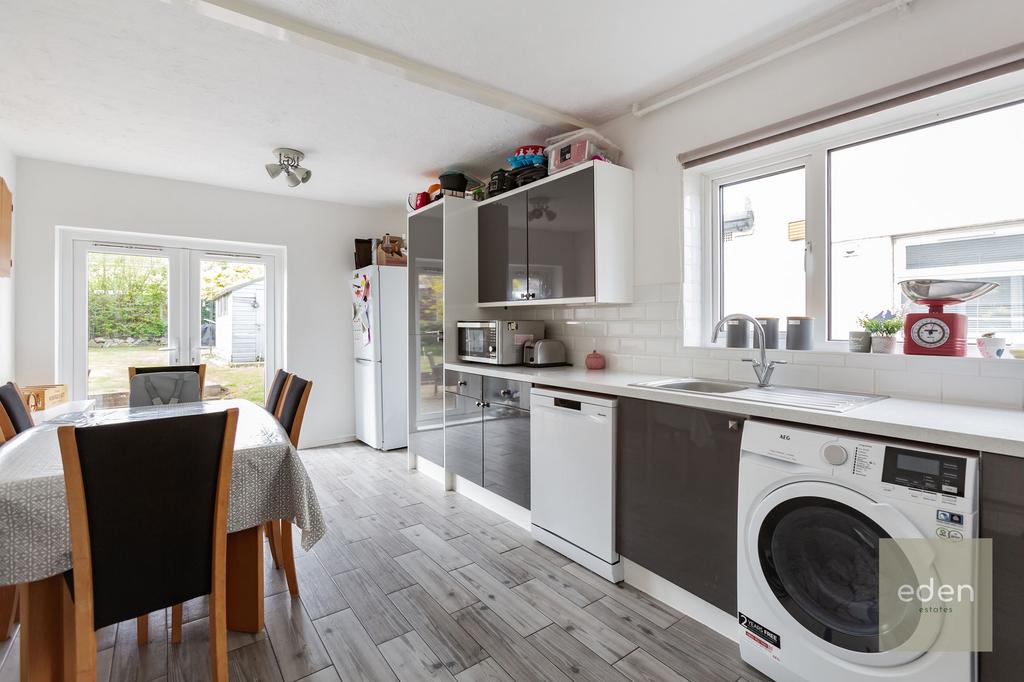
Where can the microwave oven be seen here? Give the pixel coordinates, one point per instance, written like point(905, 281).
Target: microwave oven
point(497, 342)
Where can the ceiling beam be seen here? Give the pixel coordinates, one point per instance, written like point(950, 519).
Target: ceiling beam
point(287, 30)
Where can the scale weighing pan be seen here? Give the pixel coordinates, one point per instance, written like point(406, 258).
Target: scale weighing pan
point(944, 291)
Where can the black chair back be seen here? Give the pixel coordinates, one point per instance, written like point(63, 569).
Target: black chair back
point(276, 388)
point(292, 407)
point(151, 500)
point(13, 405)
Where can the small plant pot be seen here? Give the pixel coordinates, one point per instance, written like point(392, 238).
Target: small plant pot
point(860, 342)
point(883, 344)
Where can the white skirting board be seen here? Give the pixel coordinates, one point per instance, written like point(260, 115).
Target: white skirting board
point(427, 468)
point(634, 574)
point(326, 442)
point(610, 572)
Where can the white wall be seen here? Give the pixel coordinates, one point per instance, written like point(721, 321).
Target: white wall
point(648, 335)
point(318, 236)
point(7, 168)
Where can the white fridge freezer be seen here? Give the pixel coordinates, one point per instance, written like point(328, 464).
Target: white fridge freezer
point(380, 336)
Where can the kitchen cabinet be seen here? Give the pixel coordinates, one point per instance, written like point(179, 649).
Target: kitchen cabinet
point(1002, 519)
point(426, 334)
point(567, 238)
point(487, 433)
point(676, 487)
point(502, 250)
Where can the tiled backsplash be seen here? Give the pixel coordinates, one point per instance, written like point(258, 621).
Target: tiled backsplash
point(647, 337)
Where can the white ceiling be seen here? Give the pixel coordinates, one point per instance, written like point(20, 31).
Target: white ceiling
point(156, 88)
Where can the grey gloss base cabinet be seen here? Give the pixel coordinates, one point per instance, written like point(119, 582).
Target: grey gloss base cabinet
point(1002, 520)
point(677, 475)
point(487, 434)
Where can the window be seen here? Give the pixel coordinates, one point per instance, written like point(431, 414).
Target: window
point(829, 225)
point(762, 243)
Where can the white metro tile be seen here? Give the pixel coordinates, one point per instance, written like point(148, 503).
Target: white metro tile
point(820, 359)
point(710, 369)
point(989, 391)
point(622, 363)
point(846, 379)
point(887, 361)
point(1008, 368)
point(647, 365)
point(632, 312)
point(620, 328)
point(605, 344)
point(583, 313)
point(677, 367)
point(675, 329)
point(646, 328)
point(632, 344)
point(662, 311)
point(660, 346)
point(914, 385)
point(606, 313)
point(596, 329)
point(944, 365)
point(670, 292)
point(801, 376)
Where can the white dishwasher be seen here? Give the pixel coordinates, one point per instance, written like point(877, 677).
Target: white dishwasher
point(572, 477)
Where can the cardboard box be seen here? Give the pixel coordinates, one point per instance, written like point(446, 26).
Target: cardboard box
point(44, 396)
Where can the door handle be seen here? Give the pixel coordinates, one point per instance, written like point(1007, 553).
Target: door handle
point(460, 382)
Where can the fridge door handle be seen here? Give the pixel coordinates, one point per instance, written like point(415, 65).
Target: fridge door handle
point(363, 360)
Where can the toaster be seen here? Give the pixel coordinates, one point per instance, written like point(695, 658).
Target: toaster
point(544, 353)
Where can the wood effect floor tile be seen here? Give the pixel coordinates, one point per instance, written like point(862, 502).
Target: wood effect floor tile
point(379, 565)
point(333, 553)
point(556, 577)
point(325, 675)
point(647, 606)
point(296, 642)
point(572, 658)
point(254, 663)
point(484, 671)
point(132, 662)
point(445, 637)
point(584, 627)
point(692, 664)
point(517, 612)
point(190, 660)
point(412, 660)
point(274, 580)
point(489, 536)
point(320, 595)
point(640, 666)
point(440, 525)
point(524, 538)
point(393, 542)
point(353, 653)
point(446, 556)
point(104, 663)
point(375, 611)
point(511, 651)
point(504, 568)
point(438, 583)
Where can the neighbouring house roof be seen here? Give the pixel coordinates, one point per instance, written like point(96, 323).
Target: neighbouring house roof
point(235, 287)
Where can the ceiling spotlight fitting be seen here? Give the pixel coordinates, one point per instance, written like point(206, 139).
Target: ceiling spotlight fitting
point(288, 161)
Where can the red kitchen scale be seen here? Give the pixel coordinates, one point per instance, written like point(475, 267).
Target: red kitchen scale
point(937, 332)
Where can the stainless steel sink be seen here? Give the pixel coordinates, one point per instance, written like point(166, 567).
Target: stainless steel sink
point(695, 386)
point(826, 401)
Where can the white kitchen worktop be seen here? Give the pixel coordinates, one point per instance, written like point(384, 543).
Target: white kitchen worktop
point(985, 429)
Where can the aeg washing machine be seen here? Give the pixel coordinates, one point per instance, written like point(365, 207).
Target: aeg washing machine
point(813, 506)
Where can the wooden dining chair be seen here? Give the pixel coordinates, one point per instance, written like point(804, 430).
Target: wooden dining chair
point(199, 369)
point(164, 388)
point(276, 389)
point(135, 547)
point(291, 409)
point(15, 416)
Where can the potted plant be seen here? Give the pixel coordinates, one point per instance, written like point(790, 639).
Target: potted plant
point(883, 328)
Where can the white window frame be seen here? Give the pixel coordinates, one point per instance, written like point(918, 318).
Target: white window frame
point(812, 151)
point(184, 253)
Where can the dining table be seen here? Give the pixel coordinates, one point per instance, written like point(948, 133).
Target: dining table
point(268, 482)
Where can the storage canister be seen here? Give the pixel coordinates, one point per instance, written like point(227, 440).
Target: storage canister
point(800, 333)
point(771, 332)
point(737, 334)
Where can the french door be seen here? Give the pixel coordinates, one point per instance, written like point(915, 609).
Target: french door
point(147, 304)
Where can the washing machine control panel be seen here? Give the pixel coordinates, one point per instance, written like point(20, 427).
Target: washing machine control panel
point(926, 471)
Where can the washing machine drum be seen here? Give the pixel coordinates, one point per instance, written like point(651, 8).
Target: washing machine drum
point(820, 558)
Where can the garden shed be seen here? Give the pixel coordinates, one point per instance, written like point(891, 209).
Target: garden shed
point(239, 315)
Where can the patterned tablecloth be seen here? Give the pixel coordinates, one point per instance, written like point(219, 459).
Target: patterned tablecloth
point(268, 481)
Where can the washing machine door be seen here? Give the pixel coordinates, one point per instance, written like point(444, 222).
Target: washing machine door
point(814, 546)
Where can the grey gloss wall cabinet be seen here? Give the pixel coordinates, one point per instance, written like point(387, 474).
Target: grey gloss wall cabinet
point(678, 469)
point(426, 334)
point(487, 433)
point(568, 238)
point(1002, 519)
